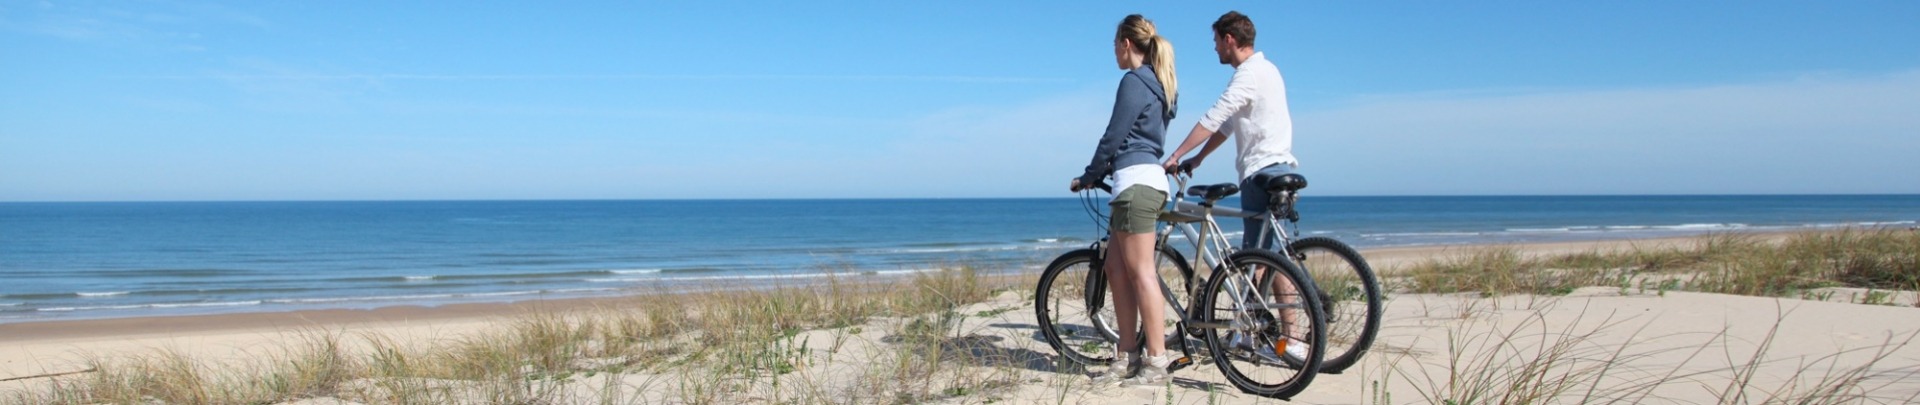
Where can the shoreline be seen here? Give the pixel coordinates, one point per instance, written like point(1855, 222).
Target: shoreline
point(1384, 260)
point(117, 304)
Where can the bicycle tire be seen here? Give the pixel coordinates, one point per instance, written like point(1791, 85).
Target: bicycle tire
point(1350, 293)
point(1241, 340)
point(1067, 312)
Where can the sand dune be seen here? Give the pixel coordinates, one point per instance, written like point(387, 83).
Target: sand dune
point(1633, 346)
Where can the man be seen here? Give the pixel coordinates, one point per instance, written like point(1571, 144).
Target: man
point(1254, 112)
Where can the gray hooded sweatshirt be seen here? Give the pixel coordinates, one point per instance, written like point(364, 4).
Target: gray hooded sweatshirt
point(1136, 132)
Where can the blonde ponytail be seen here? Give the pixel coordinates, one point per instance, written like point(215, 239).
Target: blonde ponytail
point(1158, 52)
point(1161, 57)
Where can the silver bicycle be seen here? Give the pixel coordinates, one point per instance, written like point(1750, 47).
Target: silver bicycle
point(1348, 286)
point(1250, 309)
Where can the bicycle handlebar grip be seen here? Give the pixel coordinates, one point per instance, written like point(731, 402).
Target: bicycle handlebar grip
point(1187, 167)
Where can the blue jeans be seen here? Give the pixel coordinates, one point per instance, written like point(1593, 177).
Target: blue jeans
point(1254, 198)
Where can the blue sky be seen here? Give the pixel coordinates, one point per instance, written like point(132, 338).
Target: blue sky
point(187, 100)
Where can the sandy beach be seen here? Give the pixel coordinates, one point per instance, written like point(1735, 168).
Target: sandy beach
point(1694, 345)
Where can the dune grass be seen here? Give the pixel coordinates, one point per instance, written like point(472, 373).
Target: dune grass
point(1730, 263)
point(903, 342)
point(704, 347)
point(1531, 362)
point(1527, 358)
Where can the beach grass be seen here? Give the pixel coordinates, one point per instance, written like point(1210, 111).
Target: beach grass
point(907, 340)
point(1593, 359)
point(1881, 259)
point(716, 346)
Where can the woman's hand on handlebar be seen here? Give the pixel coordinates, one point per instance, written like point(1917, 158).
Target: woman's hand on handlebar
point(1077, 186)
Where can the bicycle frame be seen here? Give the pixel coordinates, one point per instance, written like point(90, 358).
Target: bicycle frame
point(1281, 232)
point(1211, 247)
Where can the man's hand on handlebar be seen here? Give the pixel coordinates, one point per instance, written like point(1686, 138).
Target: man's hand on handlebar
point(1176, 166)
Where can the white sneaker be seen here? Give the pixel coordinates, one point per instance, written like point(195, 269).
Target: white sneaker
point(1121, 366)
point(1297, 349)
point(1153, 371)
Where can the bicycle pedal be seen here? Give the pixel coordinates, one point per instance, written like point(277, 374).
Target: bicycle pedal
point(1180, 363)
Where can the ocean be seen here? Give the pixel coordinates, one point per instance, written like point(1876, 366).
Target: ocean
point(106, 260)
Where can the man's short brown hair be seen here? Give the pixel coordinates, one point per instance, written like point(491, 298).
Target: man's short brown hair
point(1235, 25)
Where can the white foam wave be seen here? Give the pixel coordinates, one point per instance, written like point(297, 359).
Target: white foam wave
point(428, 297)
point(99, 294)
point(352, 299)
point(902, 272)
point(500, 294)
point(1865, 224)
point(153, 306)
point(964, 249)
point(11, 304)
point(1418, 234)
point(1701, 227)
point(634, 271)
point(209, 304)
point(619, 280)
point(1532, 230)
point(419, 278)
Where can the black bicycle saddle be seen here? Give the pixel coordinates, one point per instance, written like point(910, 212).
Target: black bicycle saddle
point(1284, 182)
point(1213, 192)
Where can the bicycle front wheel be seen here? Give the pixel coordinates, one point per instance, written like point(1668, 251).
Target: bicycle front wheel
point(1350, 293)
point(1071, 309)
point(1257, 310)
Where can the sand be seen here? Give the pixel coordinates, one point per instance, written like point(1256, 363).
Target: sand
point(1696, 343)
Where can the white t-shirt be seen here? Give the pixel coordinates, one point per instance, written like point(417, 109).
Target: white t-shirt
point(1147, 174)
point(1253, 111)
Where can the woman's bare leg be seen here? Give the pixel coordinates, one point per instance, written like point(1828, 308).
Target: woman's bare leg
point(1150, 305)
point(1120, 286)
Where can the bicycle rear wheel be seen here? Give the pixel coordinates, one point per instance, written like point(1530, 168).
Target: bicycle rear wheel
point(1350, 293)
point(1251, 320)
point(1068, 306)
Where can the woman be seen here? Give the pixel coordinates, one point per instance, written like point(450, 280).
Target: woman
point(1130, 152)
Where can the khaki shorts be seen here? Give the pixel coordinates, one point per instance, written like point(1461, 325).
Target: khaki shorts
point(1137, 208)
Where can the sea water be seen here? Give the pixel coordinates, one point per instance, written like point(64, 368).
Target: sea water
point(98, 260)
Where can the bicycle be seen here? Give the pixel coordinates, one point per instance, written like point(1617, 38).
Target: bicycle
point(1255, 304)
point(1347, 283)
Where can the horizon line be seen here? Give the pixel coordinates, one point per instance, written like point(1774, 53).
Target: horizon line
point(370, 200)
